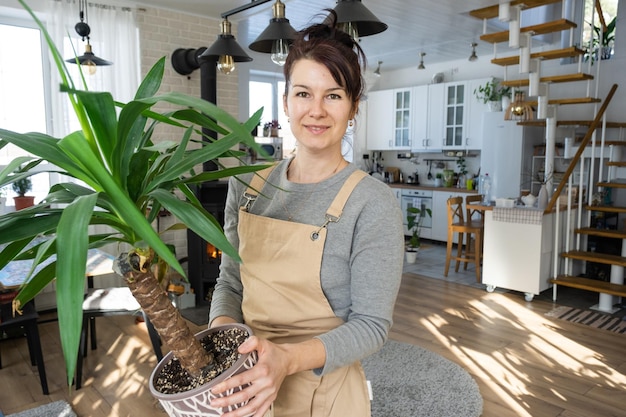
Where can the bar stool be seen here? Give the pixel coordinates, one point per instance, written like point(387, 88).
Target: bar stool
point(27, 322)
point(458, 224)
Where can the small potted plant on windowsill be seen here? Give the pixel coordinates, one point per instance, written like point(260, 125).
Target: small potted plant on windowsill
point(21, 187)
point(414, 219)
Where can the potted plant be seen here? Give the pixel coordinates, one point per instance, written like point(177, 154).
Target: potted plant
point(491, 93)
point(438, 179)
point(603, 40)
point(21, 186)
point(414, 219)
point(127, 179)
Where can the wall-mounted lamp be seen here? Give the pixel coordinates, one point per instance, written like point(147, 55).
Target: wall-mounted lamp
point(88, 59)
point(277, 37)
point(421, 65)
point(473, 57)
point(225, 50)
point(356, 19)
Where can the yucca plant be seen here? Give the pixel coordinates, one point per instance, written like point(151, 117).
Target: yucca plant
point(128, 179)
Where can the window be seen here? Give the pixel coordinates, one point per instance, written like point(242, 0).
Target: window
point(23, 105)
point(601, 43)
point(266, 90)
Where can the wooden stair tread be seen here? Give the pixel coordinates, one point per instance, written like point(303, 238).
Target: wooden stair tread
point(564, 78)
point(597, 257)
point(570, 52)
point(609, 233)
point(616, 163)
point(540, 29)
point(490, 12)
point(580, 100)
point(584, 123)
point(615, 183)
point(607, 209)
point(589, 284)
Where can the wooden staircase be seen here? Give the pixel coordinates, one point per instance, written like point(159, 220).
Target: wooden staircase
point(579, 257)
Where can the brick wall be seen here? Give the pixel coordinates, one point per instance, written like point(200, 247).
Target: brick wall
point(161, 33)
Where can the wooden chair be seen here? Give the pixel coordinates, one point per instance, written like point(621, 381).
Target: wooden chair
point(476, 216)
point(458, 224)
point(26, 324)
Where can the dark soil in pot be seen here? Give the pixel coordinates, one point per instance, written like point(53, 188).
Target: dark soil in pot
point(223, 344)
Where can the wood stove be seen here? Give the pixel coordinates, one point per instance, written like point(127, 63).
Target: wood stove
point(204, 258)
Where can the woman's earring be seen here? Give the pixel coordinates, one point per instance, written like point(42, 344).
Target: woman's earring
point(351, 123)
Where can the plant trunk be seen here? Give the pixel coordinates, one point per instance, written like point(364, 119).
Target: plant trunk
point(165, 318)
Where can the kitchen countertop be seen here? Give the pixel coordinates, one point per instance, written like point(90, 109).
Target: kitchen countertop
point(432, 188)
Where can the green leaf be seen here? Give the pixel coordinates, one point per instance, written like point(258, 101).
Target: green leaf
point(72, 236)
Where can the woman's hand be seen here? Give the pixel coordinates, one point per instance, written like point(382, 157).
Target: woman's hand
point(265, 377)
point(275, 362)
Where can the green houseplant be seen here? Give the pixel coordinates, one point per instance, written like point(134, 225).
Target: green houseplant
point(414, 218)
point(128, 178)
point(492, 92)
point(603, 40)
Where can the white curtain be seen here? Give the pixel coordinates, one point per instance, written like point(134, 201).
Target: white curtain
point(114, 36)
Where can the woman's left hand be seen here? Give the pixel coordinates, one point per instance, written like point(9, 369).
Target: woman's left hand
point(265, 377)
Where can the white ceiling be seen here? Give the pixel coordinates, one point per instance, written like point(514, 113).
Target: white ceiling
point(440, 28)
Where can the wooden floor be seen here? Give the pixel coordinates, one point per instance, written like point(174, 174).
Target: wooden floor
point(525, 363)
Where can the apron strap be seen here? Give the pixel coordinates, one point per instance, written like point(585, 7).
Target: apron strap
point(255, 185)
point(336, 207)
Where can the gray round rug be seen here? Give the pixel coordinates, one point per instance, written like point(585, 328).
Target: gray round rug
point(409, 381)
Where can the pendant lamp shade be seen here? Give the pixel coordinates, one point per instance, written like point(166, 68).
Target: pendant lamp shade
point(357, 20)
point(277, 37)
point(225, 50)
point(88, 59)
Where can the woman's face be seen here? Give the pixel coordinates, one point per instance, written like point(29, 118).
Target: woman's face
point(318, 108)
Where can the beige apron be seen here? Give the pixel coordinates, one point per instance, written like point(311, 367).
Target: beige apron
point(283, 301)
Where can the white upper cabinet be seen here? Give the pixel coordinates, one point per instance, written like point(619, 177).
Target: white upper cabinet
point(389, 120)
point(427, 118)
point(455, 113)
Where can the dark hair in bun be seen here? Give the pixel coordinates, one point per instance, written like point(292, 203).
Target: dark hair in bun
point(335, 49)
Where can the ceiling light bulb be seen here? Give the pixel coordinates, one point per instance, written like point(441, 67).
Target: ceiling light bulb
point(90, 66)
point(351, 29)
point(226, 64)
point(421, 65)
point(280, 50)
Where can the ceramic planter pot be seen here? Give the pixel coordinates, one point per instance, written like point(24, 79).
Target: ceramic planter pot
point(411, 255)
point(23, 202)
point(197, 401)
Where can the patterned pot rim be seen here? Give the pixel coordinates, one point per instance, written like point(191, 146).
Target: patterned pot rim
point(221, 377)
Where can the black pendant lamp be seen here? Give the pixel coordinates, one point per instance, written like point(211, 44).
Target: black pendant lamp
point(226, 51)
point(356, 19)
point(88, 59)
point(277, 37)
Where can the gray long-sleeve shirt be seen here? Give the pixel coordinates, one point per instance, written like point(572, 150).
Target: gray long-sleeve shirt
point(361, 264)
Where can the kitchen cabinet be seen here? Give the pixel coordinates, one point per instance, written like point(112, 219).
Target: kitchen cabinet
point(379, 119)
point(454, 111)
point(427, 116)
point(462, 115)
point(389, 120)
